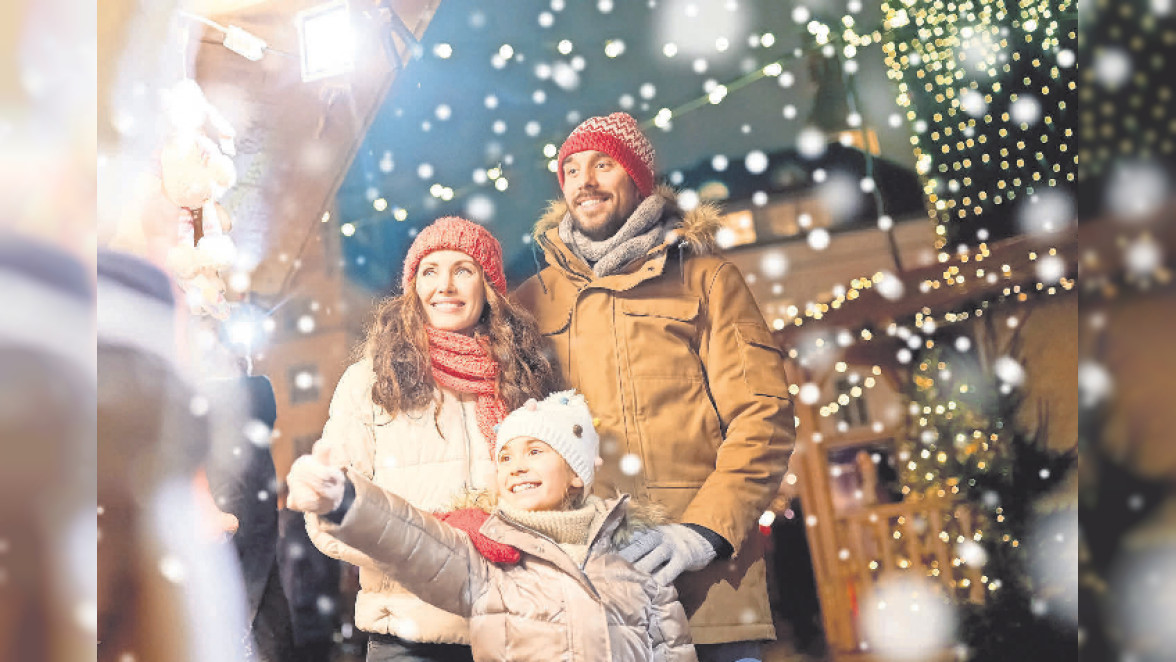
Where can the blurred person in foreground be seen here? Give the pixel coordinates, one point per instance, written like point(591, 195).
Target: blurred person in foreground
point(47, 529)
point(312, 583)
point(243, 484)
point(168, 586)
point(661, 334)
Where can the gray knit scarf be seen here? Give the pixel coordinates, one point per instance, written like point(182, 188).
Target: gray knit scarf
point(641, 232)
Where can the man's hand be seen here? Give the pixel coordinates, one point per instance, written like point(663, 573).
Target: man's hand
point(314, 485)
point(668, 551)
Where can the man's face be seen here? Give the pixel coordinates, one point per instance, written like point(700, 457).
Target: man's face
point(599, 193)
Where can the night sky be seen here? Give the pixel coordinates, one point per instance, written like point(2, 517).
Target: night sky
point(494, 84)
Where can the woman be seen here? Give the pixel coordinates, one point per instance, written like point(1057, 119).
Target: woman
point(443, 363)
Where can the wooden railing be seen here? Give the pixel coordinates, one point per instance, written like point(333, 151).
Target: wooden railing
point(923, 537)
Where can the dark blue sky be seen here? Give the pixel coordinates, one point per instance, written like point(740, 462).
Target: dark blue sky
point(521, 75)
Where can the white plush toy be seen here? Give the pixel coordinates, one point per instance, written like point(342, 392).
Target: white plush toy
point(196, 171)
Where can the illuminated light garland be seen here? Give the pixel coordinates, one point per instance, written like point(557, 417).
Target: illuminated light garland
point(1125, 110)
point(972, 73)
point(856, 391)
point(931, 41)
point(952, 276)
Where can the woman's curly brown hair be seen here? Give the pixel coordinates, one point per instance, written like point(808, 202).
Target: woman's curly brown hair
point(399, 348)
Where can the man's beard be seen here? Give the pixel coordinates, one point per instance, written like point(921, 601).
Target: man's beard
point(613, 223)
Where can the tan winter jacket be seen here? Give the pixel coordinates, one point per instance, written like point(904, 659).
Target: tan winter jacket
point(430, 470)
point(544, 608)
point(674, 357)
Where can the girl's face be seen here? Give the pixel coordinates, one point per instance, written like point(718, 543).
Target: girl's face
point(532, 476)
point(452, 291)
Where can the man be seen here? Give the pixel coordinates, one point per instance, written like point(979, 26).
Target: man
point(663, 337)
point(153, 435)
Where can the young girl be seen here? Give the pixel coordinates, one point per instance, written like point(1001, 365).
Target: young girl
point(569, 596)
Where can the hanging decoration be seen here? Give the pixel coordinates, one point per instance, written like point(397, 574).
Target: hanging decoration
point(196, 169)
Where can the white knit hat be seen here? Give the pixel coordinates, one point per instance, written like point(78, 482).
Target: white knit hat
point(562, 421)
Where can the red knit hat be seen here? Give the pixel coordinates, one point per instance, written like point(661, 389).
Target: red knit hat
point(457, 234)
point(618, 136)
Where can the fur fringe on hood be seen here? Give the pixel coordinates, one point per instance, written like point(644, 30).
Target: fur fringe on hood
point(639, 515)
point(696, 229)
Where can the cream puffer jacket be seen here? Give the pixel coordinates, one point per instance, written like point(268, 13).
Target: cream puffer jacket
point(428, 468)
point(545, 607)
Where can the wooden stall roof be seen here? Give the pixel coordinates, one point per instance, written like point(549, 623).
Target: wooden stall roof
point(295, 140)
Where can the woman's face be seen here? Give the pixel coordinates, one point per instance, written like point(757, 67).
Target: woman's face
point(452, 291)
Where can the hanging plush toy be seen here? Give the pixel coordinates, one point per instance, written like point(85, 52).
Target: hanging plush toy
point(196, 171)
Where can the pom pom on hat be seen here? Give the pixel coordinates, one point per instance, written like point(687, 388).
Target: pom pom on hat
point(561, 420)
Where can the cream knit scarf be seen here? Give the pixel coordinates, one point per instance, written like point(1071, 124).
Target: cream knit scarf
point(568, 528)
point(641, 232)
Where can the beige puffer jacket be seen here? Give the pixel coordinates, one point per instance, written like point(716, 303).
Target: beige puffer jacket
point(429, 470)
point(544, 608)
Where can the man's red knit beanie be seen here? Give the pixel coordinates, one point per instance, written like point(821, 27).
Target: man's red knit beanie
point(618, 136)
point(457, 234)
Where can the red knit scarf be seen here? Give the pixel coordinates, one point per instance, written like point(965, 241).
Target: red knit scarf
point(461, 364)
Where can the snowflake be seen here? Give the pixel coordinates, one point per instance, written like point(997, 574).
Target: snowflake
point(756, 162)
point(172, 569)
point(630, 464)
point(1025, 110)
point(811, 143)
point(1112, 67)
point(890, 286)
point(1009, 371)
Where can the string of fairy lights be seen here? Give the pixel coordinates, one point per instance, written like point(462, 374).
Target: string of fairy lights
point(983, 86)
point(986, 91)
point(1126, 89)
point(987, 88)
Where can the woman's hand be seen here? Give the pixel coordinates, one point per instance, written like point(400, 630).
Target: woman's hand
point(314, 485)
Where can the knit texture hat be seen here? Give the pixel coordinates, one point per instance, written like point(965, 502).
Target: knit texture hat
point(618, 136)
point(562, 421)
point(457, 234)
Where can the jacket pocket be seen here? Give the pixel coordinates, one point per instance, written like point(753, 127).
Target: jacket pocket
point(683, 310)
point(554, 325)
point(763, 361)
point(678, 431)
point(661, 336)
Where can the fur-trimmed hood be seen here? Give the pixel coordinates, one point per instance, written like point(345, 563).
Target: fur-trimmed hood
point(639, 515)
point(695, 228)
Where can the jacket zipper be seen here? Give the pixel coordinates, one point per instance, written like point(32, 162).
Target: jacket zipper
point(469, 446)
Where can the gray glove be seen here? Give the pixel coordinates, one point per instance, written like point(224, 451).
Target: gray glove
point(669, 550)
